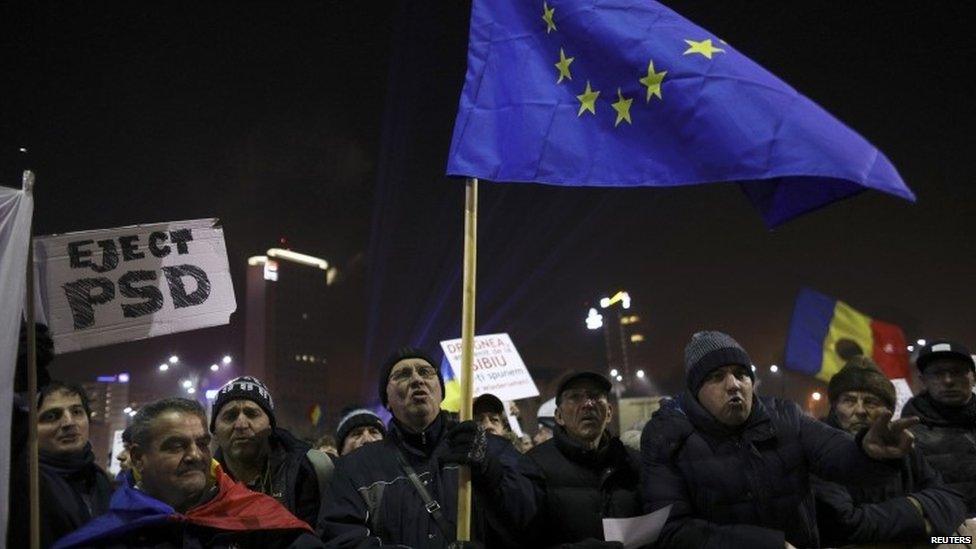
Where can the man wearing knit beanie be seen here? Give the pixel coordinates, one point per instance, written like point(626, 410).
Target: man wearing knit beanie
point(252, 449)
point(911, 507)
point(858, 394)
point(357, 428)
point(403, 490)
point(735, 467)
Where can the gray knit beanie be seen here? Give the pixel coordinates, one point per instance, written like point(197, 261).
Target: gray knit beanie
point(709, 350)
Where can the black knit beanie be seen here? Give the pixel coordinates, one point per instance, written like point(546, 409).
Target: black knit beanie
point(397, 356)
point(357, 418)
point(246, 388)
point(708, 351)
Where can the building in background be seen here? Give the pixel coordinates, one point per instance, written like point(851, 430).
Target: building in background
point(109, 400)
point(293, 340)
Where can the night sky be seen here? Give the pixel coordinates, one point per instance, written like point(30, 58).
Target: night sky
point(328, 123)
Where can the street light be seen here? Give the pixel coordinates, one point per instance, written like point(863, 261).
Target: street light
point(190, 390)
point(911, 348)
point(163, 367)
point(124, 377)
point(187, 384)
point(921, 343)
point(614, 372)
point(174, 359)
point(594, 320)
point(816, 396)
point(774, 368)
point(640, 374)
point(214, 368)
point(620, 378)
point(226, 360)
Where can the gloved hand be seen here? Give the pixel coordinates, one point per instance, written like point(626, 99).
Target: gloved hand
point(467, 444)
point(593, 543)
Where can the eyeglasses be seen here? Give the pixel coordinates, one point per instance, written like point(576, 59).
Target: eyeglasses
point(405, 374)
point(581, 396)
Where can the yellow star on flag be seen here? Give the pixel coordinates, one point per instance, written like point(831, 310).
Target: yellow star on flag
point(703, 47)
point(563, 66)
point(547, 14)
point(622, 106)
point(653, 81)
point(587, 100)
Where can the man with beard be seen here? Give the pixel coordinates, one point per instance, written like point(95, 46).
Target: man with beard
point(909, 508)
point(735, 467)
point(175, 495)
point(585, 473)
point(947, 410)
point(73, 489)
point(266, 458)
point(403, 490)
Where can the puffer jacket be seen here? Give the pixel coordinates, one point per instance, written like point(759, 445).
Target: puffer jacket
point(747, 486)
point(947, 438)
point(372, 503)
point(882, 512)
point(581, 487)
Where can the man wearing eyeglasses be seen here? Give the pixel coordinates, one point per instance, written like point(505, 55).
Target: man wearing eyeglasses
point(403, 490)
point(585, 473)
point(947, 408)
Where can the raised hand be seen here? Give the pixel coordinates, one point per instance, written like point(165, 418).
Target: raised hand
point(888, 439)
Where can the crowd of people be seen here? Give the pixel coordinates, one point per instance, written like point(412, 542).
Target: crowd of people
point(733, 468)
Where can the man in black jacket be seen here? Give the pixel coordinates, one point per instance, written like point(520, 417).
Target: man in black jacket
point(73, 488)
point(266, 458)
point(911, 507)
point(947, 409)
point(584, 472)
point(374, 499)
point(735, 467)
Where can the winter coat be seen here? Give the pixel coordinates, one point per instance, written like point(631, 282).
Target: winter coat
point(234, 516)
point(747, 486)
point(947, 438)
point(882, 512)
point(581, 487)
point(293, 478)
point(372, 503)
point(73, 490)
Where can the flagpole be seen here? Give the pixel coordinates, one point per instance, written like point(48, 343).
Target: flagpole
point(34, 478)
point(467, 344)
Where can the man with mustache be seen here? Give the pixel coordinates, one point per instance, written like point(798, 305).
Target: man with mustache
point(735, 468)
point(175, 495)
point(911, 507)
point(585, 473)
point(947, 409)
point(252, 449)
point(403, 490)
point(73, 488)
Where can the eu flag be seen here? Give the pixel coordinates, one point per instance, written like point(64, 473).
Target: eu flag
point(629, 93)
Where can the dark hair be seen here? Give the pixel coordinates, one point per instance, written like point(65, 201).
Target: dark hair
point(64, 387)
point(142, 423)
point(325, 440)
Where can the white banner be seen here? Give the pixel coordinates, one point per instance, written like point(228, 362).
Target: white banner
point(113, 285)
point(16, 210)
point(497, 368)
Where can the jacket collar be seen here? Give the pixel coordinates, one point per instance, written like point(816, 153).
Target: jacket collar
point(934, 414)
point(423, 443)
point(757, 427)
point(575, 451)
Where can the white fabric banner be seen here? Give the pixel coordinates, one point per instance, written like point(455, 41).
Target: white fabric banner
point(114, 285)
point(16, 210)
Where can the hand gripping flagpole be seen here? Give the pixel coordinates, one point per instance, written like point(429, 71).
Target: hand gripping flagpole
point(34, 471)
point(467, 344)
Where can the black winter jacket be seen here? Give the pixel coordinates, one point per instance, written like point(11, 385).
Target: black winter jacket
point(581, 487)
point(73, 491)
point(293, 480)
point(748, 486)
point(947, 439)
point(371, 502)
point(882, 512)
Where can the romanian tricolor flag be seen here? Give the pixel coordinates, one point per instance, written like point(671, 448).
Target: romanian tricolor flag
point(452, 388)
point(826, 332)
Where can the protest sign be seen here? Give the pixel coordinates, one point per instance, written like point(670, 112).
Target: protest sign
point(114, 285)
point(903, 392)
point(497, 367)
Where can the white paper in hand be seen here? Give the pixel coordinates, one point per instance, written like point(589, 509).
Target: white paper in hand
point(636, 532)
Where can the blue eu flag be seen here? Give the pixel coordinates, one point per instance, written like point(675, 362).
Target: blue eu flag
point(623, 93)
